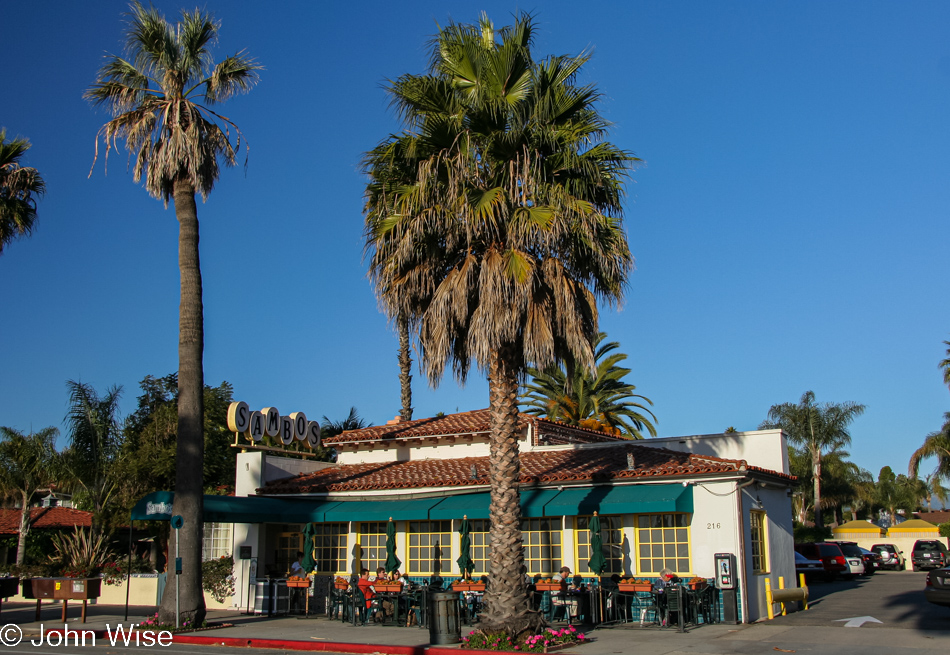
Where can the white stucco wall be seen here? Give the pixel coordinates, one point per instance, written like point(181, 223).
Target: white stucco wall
point(392, 452)
point(763, 448)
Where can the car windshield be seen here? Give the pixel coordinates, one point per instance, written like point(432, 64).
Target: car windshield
point(883, 550)
point(929, 546)
point(850, 550)
point(828, 550)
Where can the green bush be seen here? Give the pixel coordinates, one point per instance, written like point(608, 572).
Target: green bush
point(217, 577)
point(944, 529)
point(804, 534)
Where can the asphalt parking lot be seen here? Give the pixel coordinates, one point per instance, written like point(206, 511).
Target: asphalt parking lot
point(895, 598)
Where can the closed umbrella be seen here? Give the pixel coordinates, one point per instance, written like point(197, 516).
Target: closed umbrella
point(466, 565)
point(597, 562)
point(392, 562)
point(308, 563)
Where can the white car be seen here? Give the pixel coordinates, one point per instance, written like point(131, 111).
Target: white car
point(853, 556)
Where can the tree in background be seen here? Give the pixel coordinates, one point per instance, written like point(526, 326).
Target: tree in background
point(29, 464)
point(20, 187)
point(519, 198)
point(936, 444)
point(94, 445)
point(154, 96)
point(896, 492)
point(598, 401)
point(818, 428)
point(945, 365)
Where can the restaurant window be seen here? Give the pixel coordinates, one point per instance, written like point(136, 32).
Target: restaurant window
point(216, 542)
point(289, 543)
point(542, 545)
point(329, 547)
point(663, 542)
point(481, 545)
point(757, 526)
point(430, 547)
point(612, 536)
point(372, 542)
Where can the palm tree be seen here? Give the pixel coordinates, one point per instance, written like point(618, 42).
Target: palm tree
point(896, 492)
point(509, 233)
point(94, 442)
point(20, 187)
point(932, 488)
point(601, 401)
point(28, 465)
point(945, 365)
point(936, 444)
point(154, 96)
point(818, 428)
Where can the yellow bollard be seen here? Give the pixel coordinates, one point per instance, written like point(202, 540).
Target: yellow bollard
point(768, 598)
point(781, 585)
point(801, 583)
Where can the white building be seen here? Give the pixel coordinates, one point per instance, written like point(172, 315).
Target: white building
point(670, 503)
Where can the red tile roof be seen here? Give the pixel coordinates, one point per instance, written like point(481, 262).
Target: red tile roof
point(474, 422)
point(539, 466)
point(936, 517)
point(45, 517)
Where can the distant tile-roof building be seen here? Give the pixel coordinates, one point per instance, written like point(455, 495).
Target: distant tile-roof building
point(54, 518)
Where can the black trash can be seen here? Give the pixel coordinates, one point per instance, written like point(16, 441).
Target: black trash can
point(444, 626)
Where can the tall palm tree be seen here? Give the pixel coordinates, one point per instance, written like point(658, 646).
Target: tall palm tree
point(94, 442)
point(155, 97)
point(932, 488)
point(602, 401)
point(945, 365)
point(20, 187)
point(936, 444)
point(509, 234)
point(818, 428)
point(28, 465)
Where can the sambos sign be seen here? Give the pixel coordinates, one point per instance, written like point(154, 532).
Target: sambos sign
point(268, 422)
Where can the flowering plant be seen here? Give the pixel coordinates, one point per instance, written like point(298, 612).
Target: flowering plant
point(217, 577)
point(527, 643)
point(152, 623)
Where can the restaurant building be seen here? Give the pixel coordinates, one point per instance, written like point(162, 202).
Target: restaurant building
point(664, 503)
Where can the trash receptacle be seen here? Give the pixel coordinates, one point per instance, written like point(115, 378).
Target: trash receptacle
point(444, 626)
point(262, 597)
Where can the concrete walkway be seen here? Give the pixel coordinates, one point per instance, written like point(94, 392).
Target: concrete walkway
point(322, 634)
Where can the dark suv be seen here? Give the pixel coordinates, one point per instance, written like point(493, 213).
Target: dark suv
point(831, 556)
point(929, 554)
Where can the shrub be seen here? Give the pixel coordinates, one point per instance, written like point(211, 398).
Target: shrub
point(804, 534)
point(217, 577)
point(944, 529)
point(524, 642)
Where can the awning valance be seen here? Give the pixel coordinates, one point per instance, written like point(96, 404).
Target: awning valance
point(605, 499)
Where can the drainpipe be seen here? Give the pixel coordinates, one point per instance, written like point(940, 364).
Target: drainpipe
point(740, 529)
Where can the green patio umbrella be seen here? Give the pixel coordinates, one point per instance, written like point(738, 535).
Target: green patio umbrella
point(392, 562)
point(466, 565)
point(308, 563)
point(597, 563)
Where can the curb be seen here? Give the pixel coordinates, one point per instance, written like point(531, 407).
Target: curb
point(331, 646)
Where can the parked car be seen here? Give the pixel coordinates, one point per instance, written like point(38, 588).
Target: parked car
point(830, 556)
point(929, 554)
point(872, 561)
point(891, 557)
point(810, 567)
point(937, 589)
point(853, 556)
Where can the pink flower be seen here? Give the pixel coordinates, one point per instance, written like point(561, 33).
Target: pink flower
point(581, 636)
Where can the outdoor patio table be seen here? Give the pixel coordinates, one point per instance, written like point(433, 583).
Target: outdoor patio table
point(397, 598)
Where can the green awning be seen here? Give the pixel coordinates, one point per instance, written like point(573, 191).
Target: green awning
point(380, 510)
point(157, 506)
point(475, 506)
point(622, 499)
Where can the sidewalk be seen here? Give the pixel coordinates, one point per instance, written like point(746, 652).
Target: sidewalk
point(321, 634)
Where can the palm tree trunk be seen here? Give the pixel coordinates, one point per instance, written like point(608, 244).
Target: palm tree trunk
point(189, 455)
point(506, 602)
point(24, 529)
point(816, 475)
point(405, 368)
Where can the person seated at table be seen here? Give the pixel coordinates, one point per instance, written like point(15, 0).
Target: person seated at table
point(296, 569)
point(381, 574)
point(365, 585)
point(562, 599)
point(667, 577)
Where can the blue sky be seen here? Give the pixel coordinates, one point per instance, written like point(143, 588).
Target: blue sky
point(789, 223)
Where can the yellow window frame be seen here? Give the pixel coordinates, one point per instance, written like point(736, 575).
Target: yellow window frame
point(663, 539)
point(422, 538)
point(480, 534)
point(329, 545)
point(542, 540)
point(371, 539)
point(611, 531)
point(758, 531)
